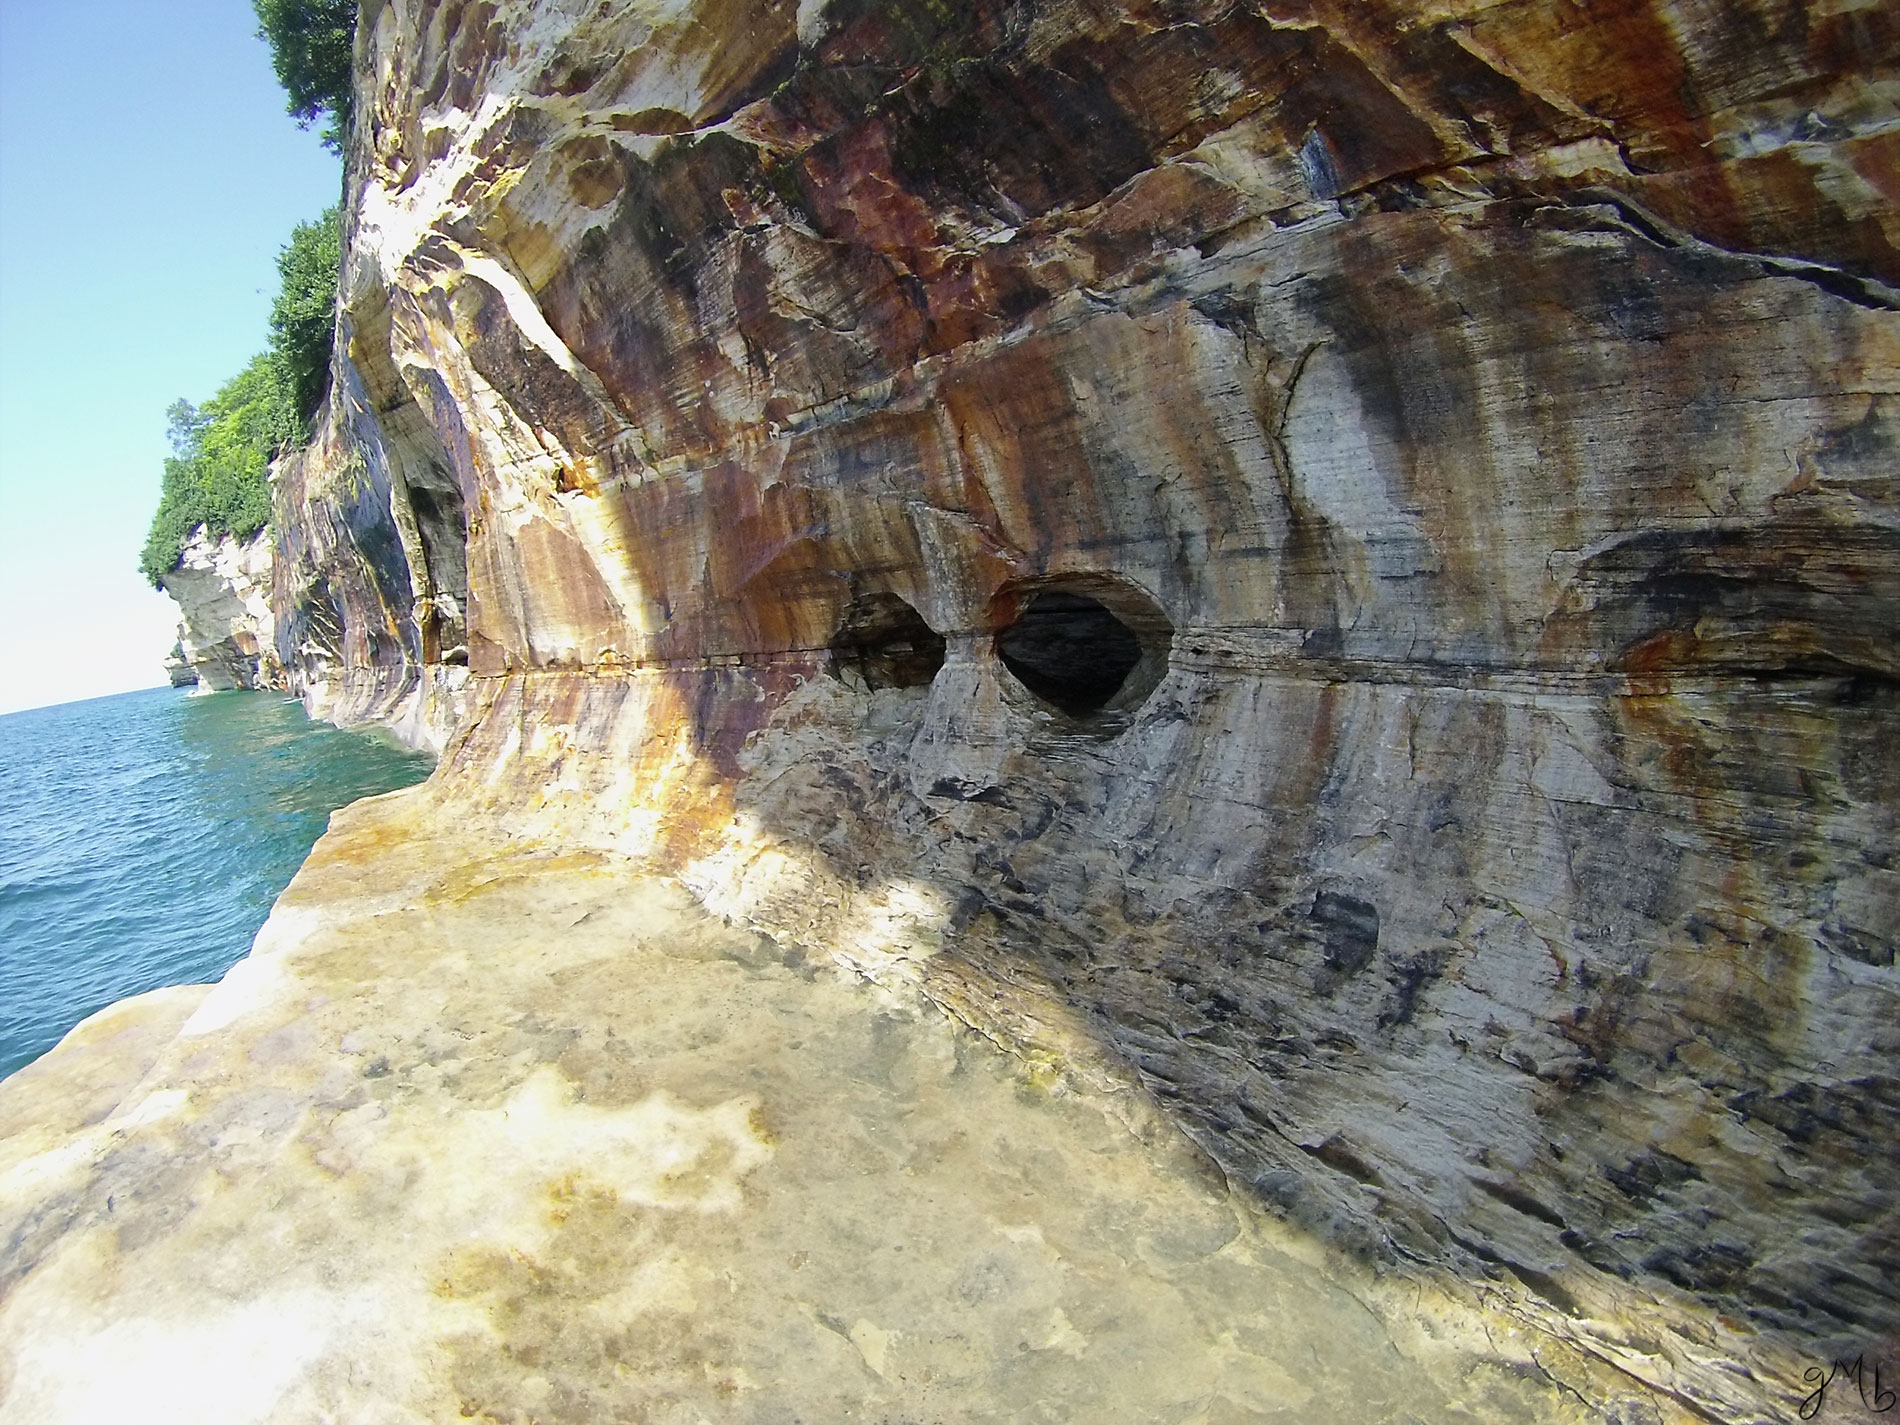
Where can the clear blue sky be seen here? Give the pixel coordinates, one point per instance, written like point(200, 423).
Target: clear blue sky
point(148, 176)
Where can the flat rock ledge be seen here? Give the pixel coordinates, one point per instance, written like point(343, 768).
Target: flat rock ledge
point(483, 1131)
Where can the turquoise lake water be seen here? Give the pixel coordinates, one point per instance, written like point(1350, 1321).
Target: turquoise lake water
point(143, 838)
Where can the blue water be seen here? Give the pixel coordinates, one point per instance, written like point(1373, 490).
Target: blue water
point(143, 838)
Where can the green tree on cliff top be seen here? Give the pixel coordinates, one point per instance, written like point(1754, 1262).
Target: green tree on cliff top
point(217, 475)
point(310, 44)
point(303, 316)
point(220, 452)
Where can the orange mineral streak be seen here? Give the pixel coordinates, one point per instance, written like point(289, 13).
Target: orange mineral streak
point(1493, 405)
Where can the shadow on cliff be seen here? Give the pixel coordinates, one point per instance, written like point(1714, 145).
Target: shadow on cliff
point(1288, 905)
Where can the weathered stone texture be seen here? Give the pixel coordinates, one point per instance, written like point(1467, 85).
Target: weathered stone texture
point(226, 632)
point(360, 625)
point(495, 1132)
point(1483, 416)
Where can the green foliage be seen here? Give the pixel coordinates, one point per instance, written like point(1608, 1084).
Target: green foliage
point(310, 43)
point(222, 450)
point(303, 318)
point(220, 453)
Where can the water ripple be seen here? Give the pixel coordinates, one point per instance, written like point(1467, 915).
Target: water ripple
point(143, 838)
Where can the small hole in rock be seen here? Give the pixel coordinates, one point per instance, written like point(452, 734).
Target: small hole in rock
point(883, 642)
point(1070, 650)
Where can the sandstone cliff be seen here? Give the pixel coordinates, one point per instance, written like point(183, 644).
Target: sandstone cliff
point(226, 633)
point(1346, 554)
point(360, 618)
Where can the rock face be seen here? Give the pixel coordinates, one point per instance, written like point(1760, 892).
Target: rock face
point(1344, 554)
point(181, 673)
point(359, 618)
point(226, 636)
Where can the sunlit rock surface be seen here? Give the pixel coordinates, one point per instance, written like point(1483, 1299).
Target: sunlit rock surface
point(1480, 418)
point(226, 632)
point(100, 1061)
point(503, 1133)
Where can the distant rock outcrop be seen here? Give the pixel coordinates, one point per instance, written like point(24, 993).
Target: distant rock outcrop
point(226, 635)
point(181, 673)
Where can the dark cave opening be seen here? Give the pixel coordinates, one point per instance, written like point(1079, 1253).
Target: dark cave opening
point(882, 642)
point(1070, 650)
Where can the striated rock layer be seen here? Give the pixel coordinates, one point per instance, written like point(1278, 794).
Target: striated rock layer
point(356, 628)
point(226, 629)
point(1346, 553)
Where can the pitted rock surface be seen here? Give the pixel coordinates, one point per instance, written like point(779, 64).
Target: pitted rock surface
point(503, 1133)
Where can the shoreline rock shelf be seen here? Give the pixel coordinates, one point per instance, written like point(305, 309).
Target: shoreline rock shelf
point(513, 1134)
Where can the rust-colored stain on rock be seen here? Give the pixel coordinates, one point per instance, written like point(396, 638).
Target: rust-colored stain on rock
point(1493, 407)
